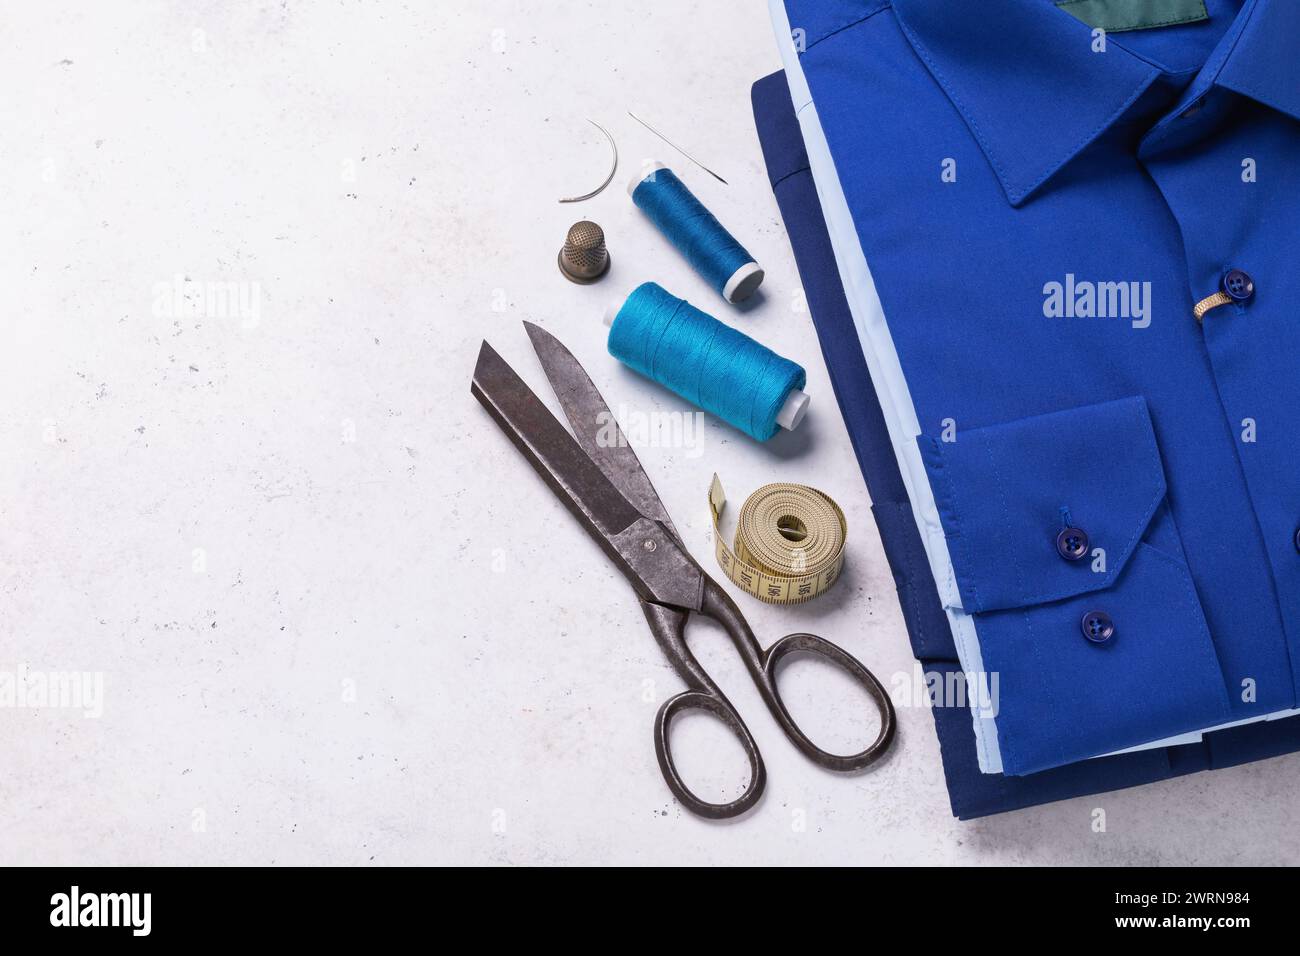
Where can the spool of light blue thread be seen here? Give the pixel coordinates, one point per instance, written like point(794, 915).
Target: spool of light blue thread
point(711, 365)
point(697, 234)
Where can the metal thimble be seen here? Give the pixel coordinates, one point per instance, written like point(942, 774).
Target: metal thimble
point(584, 257)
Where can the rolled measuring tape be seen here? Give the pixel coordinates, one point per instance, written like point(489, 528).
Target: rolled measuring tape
point(789, 544)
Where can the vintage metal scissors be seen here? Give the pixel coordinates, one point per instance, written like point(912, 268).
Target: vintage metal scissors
point(600, 479)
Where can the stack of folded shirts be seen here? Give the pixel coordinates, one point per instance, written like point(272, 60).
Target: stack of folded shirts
point(1049, 251)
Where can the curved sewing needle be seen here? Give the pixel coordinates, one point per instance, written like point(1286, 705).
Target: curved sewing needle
point(612, 169)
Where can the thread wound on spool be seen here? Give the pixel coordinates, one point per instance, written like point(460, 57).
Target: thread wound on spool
point(711, 365)
point(710, 249)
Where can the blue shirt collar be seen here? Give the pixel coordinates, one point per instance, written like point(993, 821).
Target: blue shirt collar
point(1023, 75)
point(1265, 61)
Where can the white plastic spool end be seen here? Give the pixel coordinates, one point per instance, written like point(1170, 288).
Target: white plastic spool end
point(794, 409)
point(611, 311)
point(743, 283)
point(645, 171)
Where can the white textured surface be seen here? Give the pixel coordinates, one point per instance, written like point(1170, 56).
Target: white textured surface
point(383, 177)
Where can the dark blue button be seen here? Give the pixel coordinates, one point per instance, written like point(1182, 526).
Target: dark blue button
point(1072, 543)
point(1098, 627)
point(1238, 285)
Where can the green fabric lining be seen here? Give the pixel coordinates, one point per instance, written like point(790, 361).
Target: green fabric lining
point(1116, 16)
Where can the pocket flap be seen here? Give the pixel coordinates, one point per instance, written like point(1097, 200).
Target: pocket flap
point(1006, 493)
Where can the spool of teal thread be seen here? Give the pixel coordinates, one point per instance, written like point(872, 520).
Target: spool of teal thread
point(711, 365)
point(712, 251)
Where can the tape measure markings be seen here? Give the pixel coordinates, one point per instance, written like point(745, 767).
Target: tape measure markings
point(789, 544)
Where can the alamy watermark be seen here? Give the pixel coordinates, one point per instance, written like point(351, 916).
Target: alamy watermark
point(680, 430)
point(961, 689)
point(27, 689)
point(186, 298)
point(133, 911)
point(1083, 299)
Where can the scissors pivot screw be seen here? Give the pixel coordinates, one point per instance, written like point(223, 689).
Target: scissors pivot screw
point(649, 544)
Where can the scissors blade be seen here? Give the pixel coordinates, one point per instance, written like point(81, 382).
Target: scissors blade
point(595, 427)
point(664, 574)
point(574, 477)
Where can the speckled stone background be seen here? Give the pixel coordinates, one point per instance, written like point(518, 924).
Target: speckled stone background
point(249, 254)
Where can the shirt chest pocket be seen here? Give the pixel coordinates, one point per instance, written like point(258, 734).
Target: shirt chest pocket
point(1067, 555)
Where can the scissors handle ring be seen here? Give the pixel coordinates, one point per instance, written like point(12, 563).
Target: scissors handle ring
point(820, 647)
point(669, 625)
point(717, 705)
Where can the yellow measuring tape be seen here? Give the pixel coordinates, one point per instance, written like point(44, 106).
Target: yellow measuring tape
point(789, 544)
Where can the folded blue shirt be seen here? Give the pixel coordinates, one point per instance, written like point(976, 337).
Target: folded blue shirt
point(1068, 256)
point(972, 792)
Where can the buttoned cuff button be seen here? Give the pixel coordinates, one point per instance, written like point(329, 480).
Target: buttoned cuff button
point(1098, 627)
point(1238, 285)
point(1072, 543)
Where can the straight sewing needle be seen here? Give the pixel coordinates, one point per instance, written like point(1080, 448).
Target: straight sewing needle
point(676, 147)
